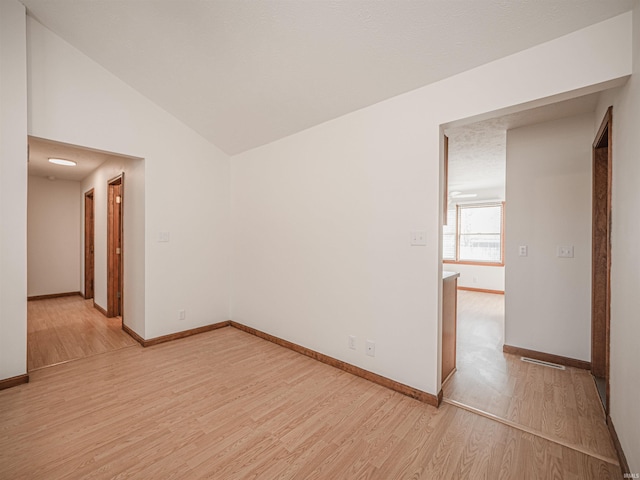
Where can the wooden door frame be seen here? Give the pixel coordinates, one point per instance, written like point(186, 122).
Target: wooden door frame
point(115, 261)
point(601, 232)
point(89, 244)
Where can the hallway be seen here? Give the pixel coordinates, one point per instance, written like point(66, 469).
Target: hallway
point(559, 405)
point(68, 328)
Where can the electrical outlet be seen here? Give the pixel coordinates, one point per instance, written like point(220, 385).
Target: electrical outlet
point(182, 314)
point(371, 348)
point(523, 250)
point(352, 342)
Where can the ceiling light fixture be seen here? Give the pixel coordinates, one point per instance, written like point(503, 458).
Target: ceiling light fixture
point(62, 161)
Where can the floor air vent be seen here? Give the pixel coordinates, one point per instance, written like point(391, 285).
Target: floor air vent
point(543, 363)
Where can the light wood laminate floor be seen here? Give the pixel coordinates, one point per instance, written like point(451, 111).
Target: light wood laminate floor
point(561, 404)
point(228, 405)
point(68, 328)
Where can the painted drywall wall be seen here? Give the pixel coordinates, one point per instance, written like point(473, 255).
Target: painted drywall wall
point(53, 236)
point(321, 219)
point(547, 298)
point(625, 274)
point(133, 228)
point(13, 190)
point(74, 100)
point(478, 276)
point(186, 183)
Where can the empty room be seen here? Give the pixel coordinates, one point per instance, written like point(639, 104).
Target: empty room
point(266, 256)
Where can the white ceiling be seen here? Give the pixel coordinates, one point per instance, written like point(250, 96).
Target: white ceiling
point(244, 73)
point(478, 151)
point(40, 150)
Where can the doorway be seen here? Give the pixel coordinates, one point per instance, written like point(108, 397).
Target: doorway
point(89, 244)
point(601, 258)
point(114, 245)
point(64, 328)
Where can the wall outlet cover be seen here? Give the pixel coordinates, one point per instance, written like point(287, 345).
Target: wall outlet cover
point(371, 348)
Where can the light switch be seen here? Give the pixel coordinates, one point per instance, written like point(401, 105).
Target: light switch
point(565, 251)
point(523, 250)
point(419, 237)
point(163, 236)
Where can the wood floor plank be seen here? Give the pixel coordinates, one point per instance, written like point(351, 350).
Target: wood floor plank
point(559, 403)
point(67, 328)
point(228, 405)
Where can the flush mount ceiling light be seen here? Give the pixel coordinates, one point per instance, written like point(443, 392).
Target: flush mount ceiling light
point(62, 161)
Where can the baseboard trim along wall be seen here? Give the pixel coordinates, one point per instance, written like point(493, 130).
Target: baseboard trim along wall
point(100, 309)
point(14, 381)
point(133, 335)
point(547, 357)
point(425, 397)
point(624, 465)
point(52, 295)
point(482, 290)
point(347, 367)
point(174, 336)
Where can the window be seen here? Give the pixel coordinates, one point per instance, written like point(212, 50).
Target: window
point(474, 233)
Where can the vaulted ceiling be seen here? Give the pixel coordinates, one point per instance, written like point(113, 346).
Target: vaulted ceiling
point(244, 73)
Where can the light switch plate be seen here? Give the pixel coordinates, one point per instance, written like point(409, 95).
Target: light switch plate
point(565, 251)
point(418, 238)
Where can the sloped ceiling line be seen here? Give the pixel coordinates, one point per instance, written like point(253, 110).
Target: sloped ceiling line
point(246, 73)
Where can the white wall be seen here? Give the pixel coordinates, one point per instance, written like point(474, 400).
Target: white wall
point(13, 190)
point(133, 240)
point(548, 299)
point(53, 236)
point(478, 276)
point(321, 219)
point(625, 271)
point(186, 183)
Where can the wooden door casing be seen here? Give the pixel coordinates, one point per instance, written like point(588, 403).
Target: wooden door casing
point(114, 246)
point(89, 245)
point(601, 253)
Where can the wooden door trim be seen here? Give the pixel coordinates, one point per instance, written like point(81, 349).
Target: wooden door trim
point(605, 134)
point(112, 263)
point(606, 122)
point(89, 246)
